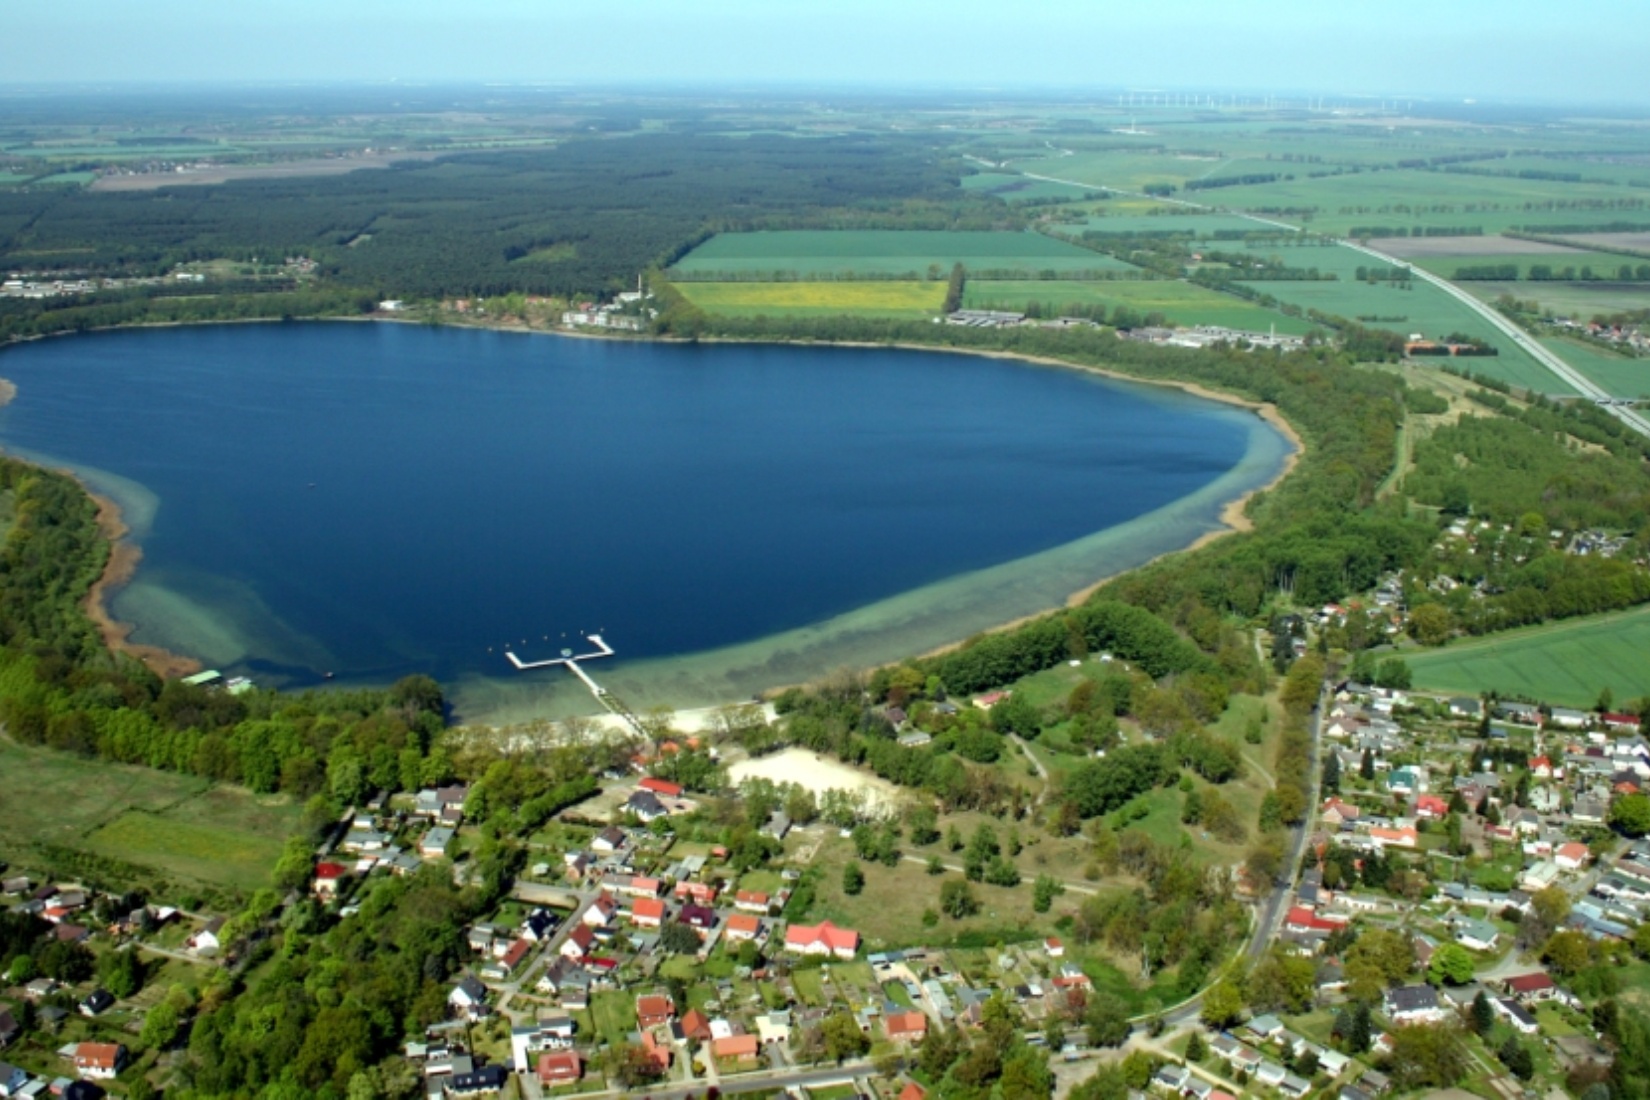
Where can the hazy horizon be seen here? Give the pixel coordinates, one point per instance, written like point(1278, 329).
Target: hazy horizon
point(1509, 51)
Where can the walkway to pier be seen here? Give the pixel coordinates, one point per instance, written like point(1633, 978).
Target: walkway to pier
point(612, 703)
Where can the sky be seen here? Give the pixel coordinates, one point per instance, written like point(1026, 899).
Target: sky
point(1505, 49)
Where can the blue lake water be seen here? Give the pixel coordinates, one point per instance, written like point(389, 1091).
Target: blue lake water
point(374, 500)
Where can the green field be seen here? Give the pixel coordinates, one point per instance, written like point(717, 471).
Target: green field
point(1415, 307)
point(183, 827)
point(1015, 188)
point(1171, 221)
point(889, 252)
point(9, 179)
point(1617, 374)
point(1580, 300)
point(824, 299)
point(66, 179)
point(238, 857)
point(1565, 664)
point(1182, 303)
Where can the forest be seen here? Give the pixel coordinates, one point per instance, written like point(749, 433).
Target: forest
point(581, 218)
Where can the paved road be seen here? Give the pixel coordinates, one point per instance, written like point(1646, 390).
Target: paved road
point(761, 1081)
point(1580, 382)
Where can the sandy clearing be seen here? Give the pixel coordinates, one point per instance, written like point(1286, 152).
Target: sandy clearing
point(817, 773)
point(319, 166)
point(1415, 248)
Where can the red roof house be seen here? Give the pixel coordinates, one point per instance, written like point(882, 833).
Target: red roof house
point(560, 1067)
point(823, 938)
point(653, 1009)
point(647, 913)
point(905, 1027)
point(661, 787)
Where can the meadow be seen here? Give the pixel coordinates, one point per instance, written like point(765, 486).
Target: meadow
point(1566, 663)
point(1580, 300)
point(179, 825)
point(1617, 374)
point(888, 252)
point(884, 298)
point(1167, 220)
point(1181, 302)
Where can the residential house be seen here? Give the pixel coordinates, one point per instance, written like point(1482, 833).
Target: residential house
point(1413, 1004)
point(327, 877)
point(609, 840)
point(97, 1003)
point(661, 787)
point(1479, 935)
point(579, 941)
point(1405, 837)
point(560, 1067)
point(1538, 986)
point(478, 1082)
point(1565, 718)
point(742, 926)
point(1572, 856)
point(1539, 876)
point(654, 1010)
point(600, 913)
point(646, 805)
point(99, 1061)
point(698, 917)
point(647, 912)
point(751, 901)
point(1515, 1014)
point(1431, 806)
point(435, 842)
point(1466, 707)
point(824, 938)
point(695, 1026)
point(205, 941)
point(9, 1028)
point(469, 998)
point(905, 1027)
point(736, 1048)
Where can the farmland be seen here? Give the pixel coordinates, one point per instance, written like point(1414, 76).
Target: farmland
point(1617, 374)
point(1181, 302)
point(1579, 300)
point(887, 253)
point(1168, 220)
point(1565, 663)
point(818, 299)
point(183, 827)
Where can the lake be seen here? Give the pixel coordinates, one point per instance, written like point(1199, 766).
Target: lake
point(370, 500)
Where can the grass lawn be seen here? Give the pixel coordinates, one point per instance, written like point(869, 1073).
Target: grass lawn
point(829, 299)
point(1555, 1023)
point(613, 1014)
point(810, 987)
point(181, 826)
point(1180, 302)
point(1565, 663)
point(889, 252)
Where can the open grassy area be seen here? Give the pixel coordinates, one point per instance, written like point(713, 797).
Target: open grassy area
point(1617, 374)
point(1182, 303)
point(183, 827)
point(888, 252)
point(1565, 663)
point(1583, 301)
point(828, 299)
point(1110, 218)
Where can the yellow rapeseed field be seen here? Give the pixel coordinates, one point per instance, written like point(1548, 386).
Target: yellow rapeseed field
point(877, 299)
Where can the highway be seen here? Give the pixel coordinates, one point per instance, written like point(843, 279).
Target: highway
point(1578, 381)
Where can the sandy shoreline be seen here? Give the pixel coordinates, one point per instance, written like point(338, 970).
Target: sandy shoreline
point(125, 556)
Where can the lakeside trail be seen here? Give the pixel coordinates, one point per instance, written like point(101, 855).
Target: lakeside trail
point(125, 556)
